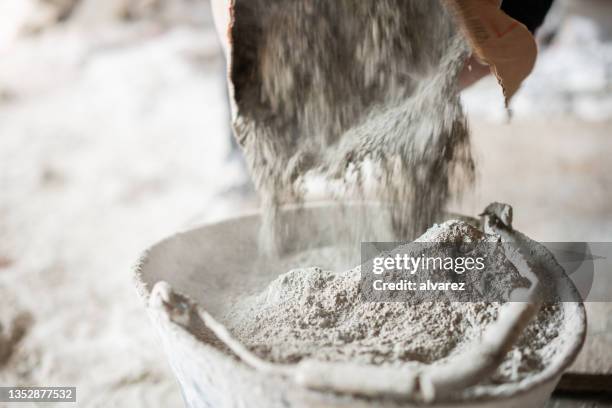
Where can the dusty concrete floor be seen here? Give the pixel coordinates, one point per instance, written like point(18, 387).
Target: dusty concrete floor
point(111, 141)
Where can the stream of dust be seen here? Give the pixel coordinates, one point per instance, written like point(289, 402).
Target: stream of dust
point(361, 94)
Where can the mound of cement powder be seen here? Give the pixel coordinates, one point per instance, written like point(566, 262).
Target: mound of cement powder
point(320, 314)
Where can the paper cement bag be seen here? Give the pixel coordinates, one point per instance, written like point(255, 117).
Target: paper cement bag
point(497, 39)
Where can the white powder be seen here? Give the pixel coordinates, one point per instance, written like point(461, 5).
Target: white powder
point(315, 313)
point(361, 94)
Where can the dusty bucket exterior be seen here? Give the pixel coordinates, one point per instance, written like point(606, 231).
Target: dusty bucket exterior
point(213, 265)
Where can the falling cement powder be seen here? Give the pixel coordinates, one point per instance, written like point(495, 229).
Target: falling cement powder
point(320, 314)
point(359, 93)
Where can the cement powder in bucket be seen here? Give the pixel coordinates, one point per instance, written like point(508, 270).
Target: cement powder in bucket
point(316, 313)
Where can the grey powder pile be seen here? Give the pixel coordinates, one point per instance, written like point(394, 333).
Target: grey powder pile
point(320, 314)
point(359, 93)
